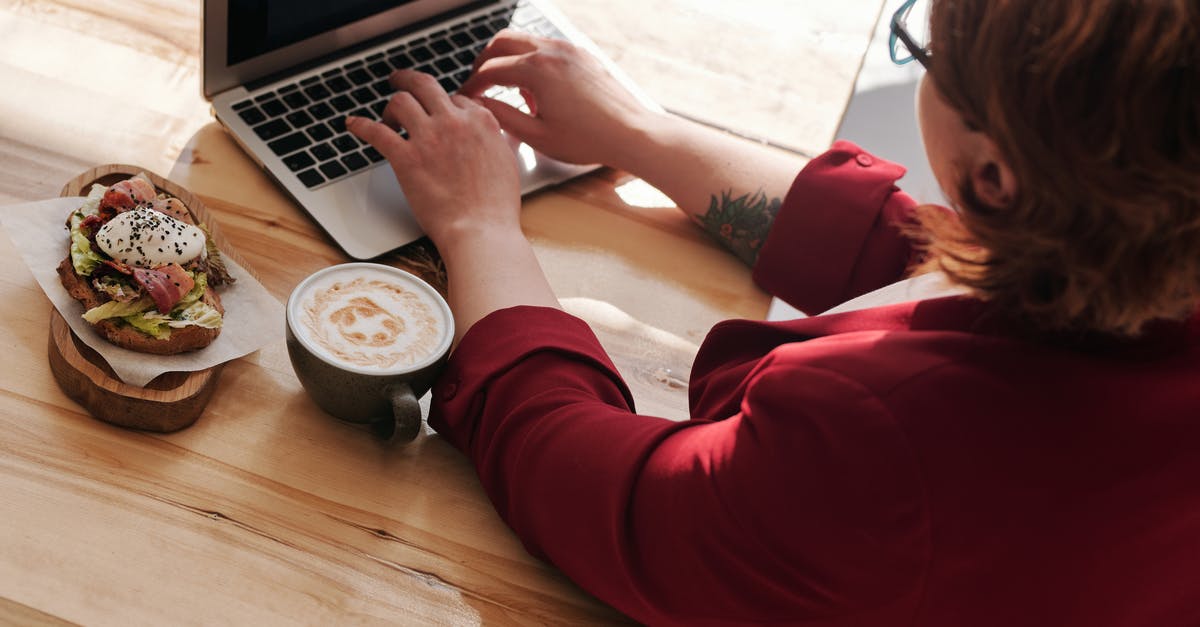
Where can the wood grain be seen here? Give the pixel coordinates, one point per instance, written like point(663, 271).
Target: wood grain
point(267, 511)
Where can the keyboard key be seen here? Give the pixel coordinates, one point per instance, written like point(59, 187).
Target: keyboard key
point(355, 161)
point(383, 88)
point(364, 95)
point(338, 84)
point(465, 57)
point(296, 100)
point(364, 113)
point(426, 69)
point(359, 76)
point(441, 46)
point(345, 143)
point(378, 56)
point(328, 74)
point(264, 97)
point(342, 103)
point(378, 106)
point(461, 39)
point(252, 115)
point(298, 119)
point(332, 169)
point(317, 92)
point(311, 80)
point(321, 111)
point(319, 132)
point(482, 32)
point(289, 143)
point(380, 69)
point(449, 84)
point(421, 54)
point(400, 61)
point(338, 124)
point(273, 108)
point(271, 129)
point(298, 161)
point(238, 106)
point(287, 89)
point(372, 155)
point(498, 24)
point(323, 152)
point(311, 178)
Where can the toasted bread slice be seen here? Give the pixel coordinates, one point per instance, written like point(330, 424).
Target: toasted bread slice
point(188, 338)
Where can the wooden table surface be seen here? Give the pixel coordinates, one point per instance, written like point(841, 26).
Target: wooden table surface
point(266, 511)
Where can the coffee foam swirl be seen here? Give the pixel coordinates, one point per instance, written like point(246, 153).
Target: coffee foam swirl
point(371, 321)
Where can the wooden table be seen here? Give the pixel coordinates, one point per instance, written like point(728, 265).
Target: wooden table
point(267, 511)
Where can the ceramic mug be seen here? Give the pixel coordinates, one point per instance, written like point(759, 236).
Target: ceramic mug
point(366, 341)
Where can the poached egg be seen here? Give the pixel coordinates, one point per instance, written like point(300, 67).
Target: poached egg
point(145, 238)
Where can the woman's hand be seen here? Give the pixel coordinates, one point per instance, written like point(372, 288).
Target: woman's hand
point(579, 113)
point(456, 169)
point(460, 176)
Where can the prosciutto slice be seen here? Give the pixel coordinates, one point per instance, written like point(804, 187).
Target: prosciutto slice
point(165, 284)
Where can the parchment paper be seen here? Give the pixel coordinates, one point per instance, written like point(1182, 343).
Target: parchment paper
point(253, 317)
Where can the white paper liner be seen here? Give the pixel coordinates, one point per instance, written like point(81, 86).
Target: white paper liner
point(253, 317)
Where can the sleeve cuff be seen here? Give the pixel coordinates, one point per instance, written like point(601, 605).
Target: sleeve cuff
point(825, 226)
point(499, 342)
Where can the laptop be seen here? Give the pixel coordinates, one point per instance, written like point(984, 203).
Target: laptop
point(282, 75)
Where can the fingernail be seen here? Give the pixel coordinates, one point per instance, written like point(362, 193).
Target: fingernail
point(351, 120)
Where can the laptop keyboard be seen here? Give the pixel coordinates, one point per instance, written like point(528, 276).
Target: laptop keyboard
point(304, 122)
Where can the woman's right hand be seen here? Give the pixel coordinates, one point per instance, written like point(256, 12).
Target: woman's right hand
point(578, 113)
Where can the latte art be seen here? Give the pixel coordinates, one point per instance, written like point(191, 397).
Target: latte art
point(371, 320)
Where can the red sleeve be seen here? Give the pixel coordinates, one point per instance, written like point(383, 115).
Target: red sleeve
point(836, 235)
point(773, 515)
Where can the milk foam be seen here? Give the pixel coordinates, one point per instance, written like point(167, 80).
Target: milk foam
point(370, 319)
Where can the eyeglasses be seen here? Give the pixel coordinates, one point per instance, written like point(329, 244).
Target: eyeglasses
point(903, 42)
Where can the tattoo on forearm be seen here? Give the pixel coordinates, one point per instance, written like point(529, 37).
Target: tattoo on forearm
point(741, 223)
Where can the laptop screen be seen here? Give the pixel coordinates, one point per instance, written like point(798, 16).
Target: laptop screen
point(257, 27)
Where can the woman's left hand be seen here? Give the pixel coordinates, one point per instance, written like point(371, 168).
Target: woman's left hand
point(456, 168)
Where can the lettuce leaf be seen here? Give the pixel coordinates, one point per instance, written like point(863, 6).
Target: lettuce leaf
point(83, 257)
point(153, 324)
point(118, 309)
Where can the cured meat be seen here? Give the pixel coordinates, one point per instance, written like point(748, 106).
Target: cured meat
point(126, 195)
point(166, 284)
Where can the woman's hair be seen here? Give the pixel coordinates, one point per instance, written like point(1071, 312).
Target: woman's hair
point(1095, 104)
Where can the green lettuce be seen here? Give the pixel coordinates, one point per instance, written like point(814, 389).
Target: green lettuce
point(83, 257)
point(118, 309)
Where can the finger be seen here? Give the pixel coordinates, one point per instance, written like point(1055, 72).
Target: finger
point(510, 71)
point(379, 135)
point(404, 112)
point(507, 42)
point(513, 120)
point(424, 88)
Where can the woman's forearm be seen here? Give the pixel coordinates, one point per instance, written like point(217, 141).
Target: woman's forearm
point(490, 270)
point(728, 185)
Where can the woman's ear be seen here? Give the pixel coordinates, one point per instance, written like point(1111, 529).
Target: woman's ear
point(992, 179)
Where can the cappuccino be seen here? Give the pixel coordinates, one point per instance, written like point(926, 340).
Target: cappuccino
point(370, 318)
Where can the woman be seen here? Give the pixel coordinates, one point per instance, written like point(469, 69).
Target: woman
point(1018, 446)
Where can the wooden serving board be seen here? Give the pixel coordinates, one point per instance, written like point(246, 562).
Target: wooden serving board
point(173, 400)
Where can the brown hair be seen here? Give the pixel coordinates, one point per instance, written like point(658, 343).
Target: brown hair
point(1096, 107)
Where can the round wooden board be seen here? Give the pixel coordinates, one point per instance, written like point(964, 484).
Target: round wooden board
point(171, 401)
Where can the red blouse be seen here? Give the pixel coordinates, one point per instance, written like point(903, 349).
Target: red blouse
point(914, 464)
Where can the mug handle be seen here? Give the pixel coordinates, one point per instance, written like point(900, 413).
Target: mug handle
point(406, 415)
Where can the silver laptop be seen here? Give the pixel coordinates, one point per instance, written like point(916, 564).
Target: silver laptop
point(283, 74)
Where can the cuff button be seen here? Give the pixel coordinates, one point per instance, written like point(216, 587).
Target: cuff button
point(864, 160)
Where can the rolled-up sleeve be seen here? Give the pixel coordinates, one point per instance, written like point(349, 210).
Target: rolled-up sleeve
point(697, 522)
point(839, 231)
